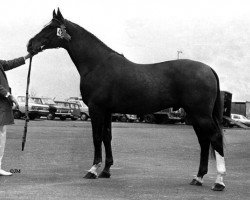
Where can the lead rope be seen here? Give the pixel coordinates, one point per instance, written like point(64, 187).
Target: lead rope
point(26, 107)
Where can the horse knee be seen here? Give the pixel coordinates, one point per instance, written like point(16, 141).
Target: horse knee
point(107, 138)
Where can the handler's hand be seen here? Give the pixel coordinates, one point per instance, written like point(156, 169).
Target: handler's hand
point(28, 56)
point(13, 100)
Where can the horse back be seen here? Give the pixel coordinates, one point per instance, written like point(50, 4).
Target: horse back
point(123, 86)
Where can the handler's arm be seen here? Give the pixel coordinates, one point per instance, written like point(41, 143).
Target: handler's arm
point(10, 64)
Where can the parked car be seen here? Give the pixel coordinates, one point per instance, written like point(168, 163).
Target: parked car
point(83, 108)
point(55, 110)
point(63, 110)
point(129, 118)
point(75, 111)
point(35, 110)
point(241, 118)
point(124, 117)
point(169, 116)
point(46, 101)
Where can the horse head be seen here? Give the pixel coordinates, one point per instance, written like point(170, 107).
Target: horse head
point(53, 35)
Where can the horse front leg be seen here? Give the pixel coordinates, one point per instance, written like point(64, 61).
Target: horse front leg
point(97, 116)
point(107, 137)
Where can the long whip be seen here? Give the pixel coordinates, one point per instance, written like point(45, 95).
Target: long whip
point(26, 107)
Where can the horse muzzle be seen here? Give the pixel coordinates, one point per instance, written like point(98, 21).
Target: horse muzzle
point(34, 49)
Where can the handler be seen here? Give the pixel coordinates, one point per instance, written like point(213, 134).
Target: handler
point(6, 103)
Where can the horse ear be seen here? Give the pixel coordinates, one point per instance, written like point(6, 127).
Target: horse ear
point(54, 13)
point(59, 15)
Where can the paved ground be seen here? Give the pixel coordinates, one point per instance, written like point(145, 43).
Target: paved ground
point(151, 162)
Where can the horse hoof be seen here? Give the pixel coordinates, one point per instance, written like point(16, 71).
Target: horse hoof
point(218, 187)
point(90, 175)
point(104, 174)
point(195, 182)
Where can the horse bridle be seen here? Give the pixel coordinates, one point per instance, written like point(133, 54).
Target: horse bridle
point(61, 32)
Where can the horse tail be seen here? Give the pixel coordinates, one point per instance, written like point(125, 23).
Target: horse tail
point(217, 111)
point(217, 117)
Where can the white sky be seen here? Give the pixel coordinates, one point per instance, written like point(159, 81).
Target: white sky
point(216, 32)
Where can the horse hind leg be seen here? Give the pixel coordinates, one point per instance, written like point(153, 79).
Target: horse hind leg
point(209, 133)
point(217, 145)
point(204, 154)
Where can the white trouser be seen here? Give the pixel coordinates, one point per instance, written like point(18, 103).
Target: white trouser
point(2, 142)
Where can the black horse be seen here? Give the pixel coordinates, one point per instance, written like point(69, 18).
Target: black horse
point(110, 83)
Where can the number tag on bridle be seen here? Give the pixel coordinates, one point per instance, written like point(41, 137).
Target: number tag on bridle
point(61, 33)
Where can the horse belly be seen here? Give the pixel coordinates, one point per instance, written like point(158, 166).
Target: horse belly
point(147, 98)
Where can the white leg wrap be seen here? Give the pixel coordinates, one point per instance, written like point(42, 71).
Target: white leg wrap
point(199, 179)
point(221, 168)
point(220, 163)
point(94, 168)
point(219, 179)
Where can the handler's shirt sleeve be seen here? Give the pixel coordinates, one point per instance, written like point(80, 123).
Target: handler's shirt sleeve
point(3, 91)
point(10, 64)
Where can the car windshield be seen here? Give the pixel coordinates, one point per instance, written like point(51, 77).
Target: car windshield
point(23, 99)
point(62, 104)
point(72, 105)
point(31, 101)
point(37, 100)
point(48, 101)
point(239, 117)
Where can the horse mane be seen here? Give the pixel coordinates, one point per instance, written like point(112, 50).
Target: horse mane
point(92, 36)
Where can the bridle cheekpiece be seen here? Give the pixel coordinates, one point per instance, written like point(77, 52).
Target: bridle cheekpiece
point(61, 32)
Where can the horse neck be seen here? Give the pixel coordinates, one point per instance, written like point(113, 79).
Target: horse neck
point(85, 50)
